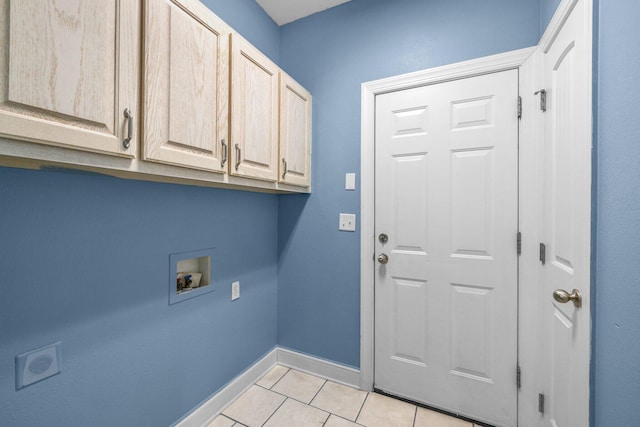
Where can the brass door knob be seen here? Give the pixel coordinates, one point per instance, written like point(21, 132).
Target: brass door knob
point(383, 258)
point(564, 297)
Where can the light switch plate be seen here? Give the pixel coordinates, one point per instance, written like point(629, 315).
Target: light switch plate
point(37, 365)
point(235, 291)
point(350, 182)
point(347, 222)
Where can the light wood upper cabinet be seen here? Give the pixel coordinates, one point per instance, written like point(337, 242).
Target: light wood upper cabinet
point(68, 70)
point(160, 90)
point(295, 132)
point(186, 90)
point(254, 114)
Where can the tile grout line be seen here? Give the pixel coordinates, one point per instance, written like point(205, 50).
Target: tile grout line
point(362, 406)
point(221, 414)
point(280, 379)
point(415, 415)
point(267, 389)
point(346, 419)
point(273, 413)
point(232, 419)
point(292, 398)
point(313, 398)
point(317, 393)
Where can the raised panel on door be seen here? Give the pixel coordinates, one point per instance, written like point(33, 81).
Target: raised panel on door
point(68, 71)
point(410, 321)
point(254, 116)
point(472, 339)
point(185, 91)
point(472, 202)
point(409, 182)
point(295, 133)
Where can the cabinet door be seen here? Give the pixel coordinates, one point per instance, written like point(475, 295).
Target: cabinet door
point(186, 63)
point(68, 70)
point(254, 115)
point(295, 132)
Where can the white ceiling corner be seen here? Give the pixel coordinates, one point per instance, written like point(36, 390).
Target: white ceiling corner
point(285, 11)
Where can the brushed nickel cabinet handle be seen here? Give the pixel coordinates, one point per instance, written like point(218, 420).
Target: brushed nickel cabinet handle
point(238, 156)
point(225, 153)
point(126, 143)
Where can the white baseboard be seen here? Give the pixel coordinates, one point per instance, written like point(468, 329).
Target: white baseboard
point(319, 367)
point(206, 412)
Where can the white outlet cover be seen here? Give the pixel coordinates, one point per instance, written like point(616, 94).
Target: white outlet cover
point(347, 222)
point(37, 365)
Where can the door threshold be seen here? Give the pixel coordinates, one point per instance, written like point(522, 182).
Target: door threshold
point(431, 408)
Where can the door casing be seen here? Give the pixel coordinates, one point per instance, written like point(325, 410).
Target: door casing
point(491, 64)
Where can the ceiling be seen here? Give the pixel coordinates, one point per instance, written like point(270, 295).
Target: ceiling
point(285, 11)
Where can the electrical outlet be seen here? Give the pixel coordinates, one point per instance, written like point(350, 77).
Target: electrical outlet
point(37, 365)
point(347, 222)
point(235, 291)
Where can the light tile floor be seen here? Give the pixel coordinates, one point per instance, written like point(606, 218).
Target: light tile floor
point(288, 398)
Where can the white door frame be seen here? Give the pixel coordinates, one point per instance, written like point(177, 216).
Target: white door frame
point(490, 64)
point(527, 62)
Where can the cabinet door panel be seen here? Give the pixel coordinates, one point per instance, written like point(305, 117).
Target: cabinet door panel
point(186, 67)
point(75, 74)
point(60, 67)
point(295, 133)
point(254, 119)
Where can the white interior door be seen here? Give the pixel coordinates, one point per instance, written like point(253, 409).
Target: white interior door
point(446, 195)
point(567, 221)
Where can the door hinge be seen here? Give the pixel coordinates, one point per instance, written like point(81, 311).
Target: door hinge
point(519, 107)
point(519, 243)
point(543, 253)
point(541, 403)
point(518, 377)
point(543, 99)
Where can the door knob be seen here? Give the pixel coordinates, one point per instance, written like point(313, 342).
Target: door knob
point(564, 297)
point(383, 258)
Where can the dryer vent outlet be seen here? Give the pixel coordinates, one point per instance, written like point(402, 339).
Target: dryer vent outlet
point(37, 365)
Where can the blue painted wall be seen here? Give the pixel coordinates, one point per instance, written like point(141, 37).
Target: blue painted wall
point(331, 54)
point(85, 261)
point(248, 19)
point(617, 327)
point(547, 9)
